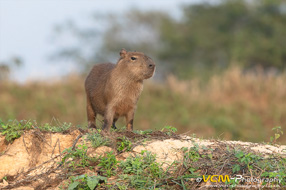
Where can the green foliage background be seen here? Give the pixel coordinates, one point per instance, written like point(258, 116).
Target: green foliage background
point(207, 38)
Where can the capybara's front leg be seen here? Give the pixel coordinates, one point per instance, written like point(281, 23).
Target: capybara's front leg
point(108, 119)
point(129, 120)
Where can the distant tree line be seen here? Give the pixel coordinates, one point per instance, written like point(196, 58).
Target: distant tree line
point(208, 37)
point(8, 65)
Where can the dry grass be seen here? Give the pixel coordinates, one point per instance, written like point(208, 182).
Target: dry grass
point(253, 102)
point(232, 105)
point(43, 101)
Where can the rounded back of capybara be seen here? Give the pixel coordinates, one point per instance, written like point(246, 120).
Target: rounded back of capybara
point(113, 89)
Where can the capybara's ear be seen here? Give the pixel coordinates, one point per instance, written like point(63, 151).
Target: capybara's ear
point(123, 52)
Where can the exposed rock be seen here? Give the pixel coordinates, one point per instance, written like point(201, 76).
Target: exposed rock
point(33, 149)
point(95, 152)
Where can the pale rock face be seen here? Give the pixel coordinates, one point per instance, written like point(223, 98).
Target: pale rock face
point(31, 150)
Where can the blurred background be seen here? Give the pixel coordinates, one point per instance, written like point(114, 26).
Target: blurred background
point(220, 63)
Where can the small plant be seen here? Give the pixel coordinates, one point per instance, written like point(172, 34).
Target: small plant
point(247, 159)
point(191, 155)
point(97, 140)
point(124, 144)
point(145, 162)
point(86, 182)
point(79, 154)
point(14, 129)
point(138, 182)
point(122, 186)
point(276, 171)
point(5, 178)
point(108, 164)
point(232, 183)
point(169, 130)
point(235, 168)
point(141, 171)
point(140, 132)
point(278, 132)
point(62, 127)
point(280, 175)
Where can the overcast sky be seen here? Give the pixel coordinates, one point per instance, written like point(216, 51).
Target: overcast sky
point(26, 28)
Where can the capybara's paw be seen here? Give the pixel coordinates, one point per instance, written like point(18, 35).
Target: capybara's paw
point(105, 132)
point(92, 126)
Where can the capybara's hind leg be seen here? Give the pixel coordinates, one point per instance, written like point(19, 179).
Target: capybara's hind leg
point(91, 115)
point(113, 124)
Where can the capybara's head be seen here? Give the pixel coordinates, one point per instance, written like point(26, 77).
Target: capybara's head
point(138, 64)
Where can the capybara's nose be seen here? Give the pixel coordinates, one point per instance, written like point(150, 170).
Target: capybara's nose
point(151, 65)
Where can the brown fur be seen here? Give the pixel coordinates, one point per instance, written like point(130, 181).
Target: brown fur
point(113, 90)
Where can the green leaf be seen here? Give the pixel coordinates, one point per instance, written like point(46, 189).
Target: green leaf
point(73, 185)
point(183, 185)
point(80, 177)
point(147, 131)
point(4, 126)
point(140, 181)
point(236, 168)
point(92, 182)
point(102, 178)
point(275, 128)
point(277, 136)
point(239, 154)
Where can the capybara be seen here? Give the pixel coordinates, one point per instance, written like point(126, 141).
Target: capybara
point(112, 90)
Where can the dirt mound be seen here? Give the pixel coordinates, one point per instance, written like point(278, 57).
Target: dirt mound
point(31, 150)
point(33, 161)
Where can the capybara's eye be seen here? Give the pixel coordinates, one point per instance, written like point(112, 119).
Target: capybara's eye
point(133, 58)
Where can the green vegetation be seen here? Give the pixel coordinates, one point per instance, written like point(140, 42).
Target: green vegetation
point(59, 128)
point(108, 164)
point(97, 140)
point(213, 36)
point(78, 154)
point(191, 154)
point(246, 160)
point(260, 167)
point(277, 135)
point(280, 173)
point(14, 129)
point(143, 163)
point(124, 144)
point(141, 171)
point(86, 182)
point(169, 130)
point(208, 37)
